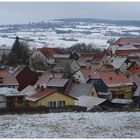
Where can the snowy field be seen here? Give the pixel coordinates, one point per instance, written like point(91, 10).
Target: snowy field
point(71, 125)
point(89, 33)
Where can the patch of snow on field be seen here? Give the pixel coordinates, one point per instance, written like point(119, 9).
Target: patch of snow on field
point(71, 125)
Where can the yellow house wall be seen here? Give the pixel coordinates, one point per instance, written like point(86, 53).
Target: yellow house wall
point(53, 97)
point(93, 92)
point(127, 91)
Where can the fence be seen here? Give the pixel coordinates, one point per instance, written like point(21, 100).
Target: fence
point(41, 109)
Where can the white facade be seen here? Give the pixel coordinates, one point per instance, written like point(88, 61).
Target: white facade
point(38, 56)
point(2, 101)
point(78, 74)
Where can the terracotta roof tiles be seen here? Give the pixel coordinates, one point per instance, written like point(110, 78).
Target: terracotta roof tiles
point(7, 78)
point(112, 78)
point(126, 41)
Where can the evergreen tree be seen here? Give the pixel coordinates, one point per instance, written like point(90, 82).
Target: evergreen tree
point(12, 59)
point(16, 48)
point(19, 52)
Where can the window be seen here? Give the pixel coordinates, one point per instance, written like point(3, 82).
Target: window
point(1, 79)
point(61, 103)
point(52, 104)
point(98, 81)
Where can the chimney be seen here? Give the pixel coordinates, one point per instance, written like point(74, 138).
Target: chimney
point(42, 88)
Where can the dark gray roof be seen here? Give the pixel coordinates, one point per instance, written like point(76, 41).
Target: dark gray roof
point(63, 62)
point(57, 82)
point(80, 89)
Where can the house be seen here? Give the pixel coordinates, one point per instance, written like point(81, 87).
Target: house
point(46, 76)
point(112, 81)
point(124, 41)
point(24, 76)
point(10, 97)
point(80, 89)
point(121, 63)
point(134, 68)
point(126, 50)
point(7, 79)
point(89, 101)
point(71, 69)
point(50, 98)
point(45, 57)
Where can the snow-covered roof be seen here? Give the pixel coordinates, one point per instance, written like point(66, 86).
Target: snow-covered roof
point(10, 92)
point(122, 101)
point(117, 62)
point(89, 101)
point(29, 90)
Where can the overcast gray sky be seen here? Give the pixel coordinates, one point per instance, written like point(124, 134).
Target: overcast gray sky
point(24, 12)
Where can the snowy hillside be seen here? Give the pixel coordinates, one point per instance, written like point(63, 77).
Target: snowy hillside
point(65, 34)
point(71, 125)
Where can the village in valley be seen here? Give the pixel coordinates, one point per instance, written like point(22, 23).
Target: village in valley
point(80, 78)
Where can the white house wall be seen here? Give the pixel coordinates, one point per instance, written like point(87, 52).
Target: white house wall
point(2, 101)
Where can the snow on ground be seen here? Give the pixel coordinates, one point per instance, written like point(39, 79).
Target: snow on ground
point(100, 34)
point(71, 125)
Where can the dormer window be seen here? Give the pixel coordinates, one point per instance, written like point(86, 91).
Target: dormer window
point(1, 79)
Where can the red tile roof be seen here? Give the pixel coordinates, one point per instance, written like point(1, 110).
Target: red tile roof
point(41, 93)
point(126, 41)
point(49, 52)
point(87, 72)
point(46, 76)
point(7, 78)
point(112, 78)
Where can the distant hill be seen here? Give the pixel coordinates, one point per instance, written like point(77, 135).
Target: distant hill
point(107, 21)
